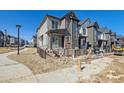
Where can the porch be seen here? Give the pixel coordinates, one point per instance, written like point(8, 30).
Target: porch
point(57, 38)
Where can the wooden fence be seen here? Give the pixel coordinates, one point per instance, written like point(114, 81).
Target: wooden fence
point(41, 52)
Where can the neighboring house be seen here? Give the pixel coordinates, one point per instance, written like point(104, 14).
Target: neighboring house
point(13, 41)
point(120, 40)
point(113, 38)
point(22, 42)
point(93, 34)
point(68, 32)
point(104, 42)
point(34, 41)
point(57, 33)
point(83, 33)
point(1, 39)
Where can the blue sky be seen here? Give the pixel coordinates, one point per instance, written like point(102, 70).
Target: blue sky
point(31, 19)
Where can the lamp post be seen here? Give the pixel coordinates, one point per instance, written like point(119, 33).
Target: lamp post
point(18, 27)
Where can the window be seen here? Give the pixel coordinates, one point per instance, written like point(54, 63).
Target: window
point(84, 31)
point(56, 25)
point(53, 24)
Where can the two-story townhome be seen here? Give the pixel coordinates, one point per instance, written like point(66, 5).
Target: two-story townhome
point(1, 39)
point(113, 38)
point(120, 40)
point(108, 38)
point(83, 33)
point(93, 34)
point(104, 39)
point(56, 33)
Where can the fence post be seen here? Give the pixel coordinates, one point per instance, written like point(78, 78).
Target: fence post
point(79, 65)
point(89, 55)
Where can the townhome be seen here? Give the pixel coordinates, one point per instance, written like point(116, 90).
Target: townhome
point(58, 33)
point(1, 39)
point(68, 32)
point(93, 34)
point(113, 38)
point(12, 40)
point(108, 38)
point(104, 39)
point(120, 40)
point(83, 33)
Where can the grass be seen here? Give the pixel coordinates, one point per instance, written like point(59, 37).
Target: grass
point(38, 65)
point(5, 50)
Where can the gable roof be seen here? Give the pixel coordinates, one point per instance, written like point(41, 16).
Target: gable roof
point(93, 24)
point(44, 19)
point(113, 33)
point(70, 14)
point(1, 32)
point(67, 15)
point(84, 21)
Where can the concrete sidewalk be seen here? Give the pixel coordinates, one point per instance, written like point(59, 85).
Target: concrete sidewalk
point(12, 71)
point(71, 75)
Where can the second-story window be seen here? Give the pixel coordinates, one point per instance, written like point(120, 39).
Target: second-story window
point(56, 25)
point(53, 24)
point(84, 31)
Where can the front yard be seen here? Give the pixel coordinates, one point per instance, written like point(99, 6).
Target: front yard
point(38, 65)
point(114, 73)
point(5, 50)
point(110, 70)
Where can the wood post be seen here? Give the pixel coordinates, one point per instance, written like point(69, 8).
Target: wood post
point(79, 65)
point(89, 56)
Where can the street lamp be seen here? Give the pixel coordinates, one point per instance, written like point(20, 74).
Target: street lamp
point(18, 27)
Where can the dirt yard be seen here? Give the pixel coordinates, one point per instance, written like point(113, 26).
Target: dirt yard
point(114, 73)
point(5, 50)
point(38, 65)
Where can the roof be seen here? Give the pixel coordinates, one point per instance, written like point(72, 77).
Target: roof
point(84, 21)
point(44, 19)
point(34, 36)
point(72, 14)
point(1, 32)
point(91, 24)
point(107, 31)
point(113, 34)
point(120, 37)
point(100, 30)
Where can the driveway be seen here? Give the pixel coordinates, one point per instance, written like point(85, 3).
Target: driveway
point(12, 71)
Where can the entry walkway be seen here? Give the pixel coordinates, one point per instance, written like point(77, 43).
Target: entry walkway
point(12, 71)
